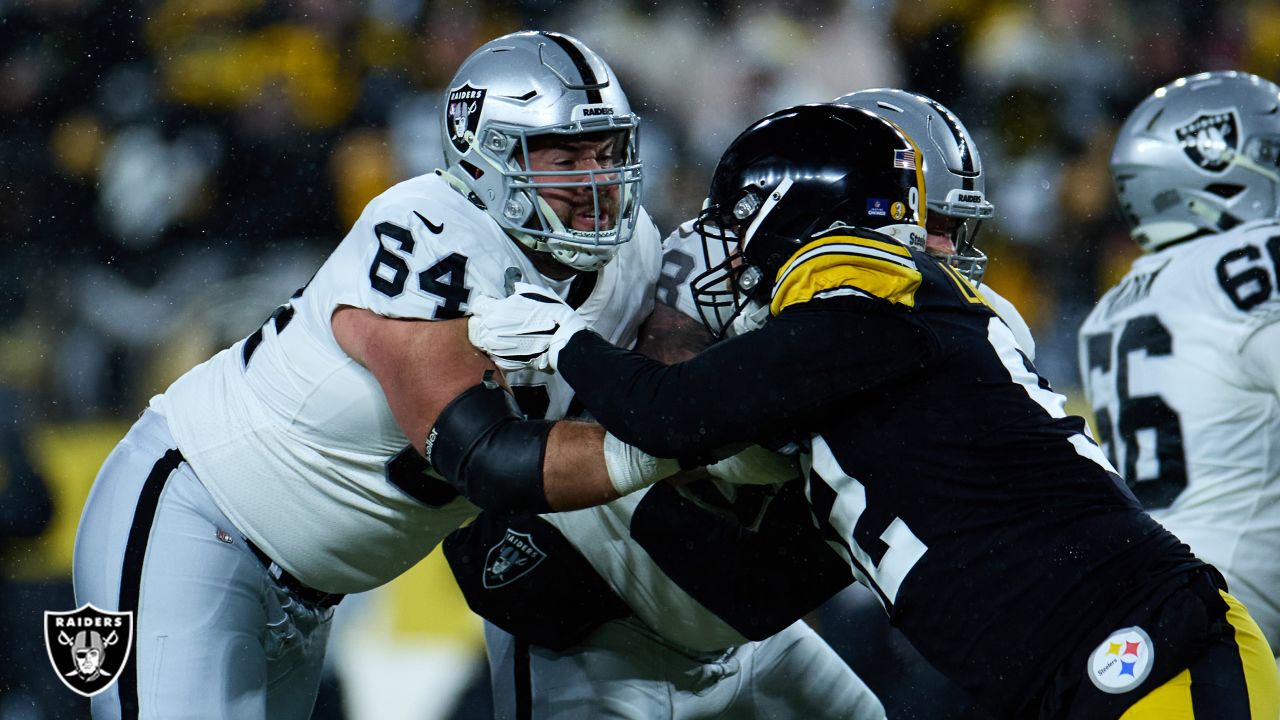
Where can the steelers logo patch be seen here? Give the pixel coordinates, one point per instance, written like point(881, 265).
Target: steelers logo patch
point(898, 210)
point(1122, 661)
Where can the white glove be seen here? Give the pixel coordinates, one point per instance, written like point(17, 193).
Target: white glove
point(755, 466)
point(752, 317)
point(631, 469)
point(526, 329)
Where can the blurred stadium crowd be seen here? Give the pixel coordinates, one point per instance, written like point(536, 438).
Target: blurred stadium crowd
point(172, 170)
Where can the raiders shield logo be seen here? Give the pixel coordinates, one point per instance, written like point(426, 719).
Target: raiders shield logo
point(88, 647)
point(511, 558)
point(464, 115)
point(1211, 140)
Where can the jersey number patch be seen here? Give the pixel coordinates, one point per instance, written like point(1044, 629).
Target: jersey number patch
point(1245, 280)
point(881, 551)
point(446, 279)
point(1145, 422)
point(279, 319)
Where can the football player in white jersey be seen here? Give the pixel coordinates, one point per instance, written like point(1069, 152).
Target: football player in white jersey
point(1181, 359)
point(294, 466)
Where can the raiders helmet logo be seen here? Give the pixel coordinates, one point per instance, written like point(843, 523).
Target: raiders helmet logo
point(511, 558)
point(464, 115)
point(1210, 140)
point(88, 647)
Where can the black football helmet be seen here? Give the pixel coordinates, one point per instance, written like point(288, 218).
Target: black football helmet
point(793, 175)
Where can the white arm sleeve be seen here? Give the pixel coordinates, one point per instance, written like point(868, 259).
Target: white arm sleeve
point(1011, 317)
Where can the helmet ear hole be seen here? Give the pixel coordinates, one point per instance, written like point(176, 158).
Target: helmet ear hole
point(472, 170)
point(1225, 191)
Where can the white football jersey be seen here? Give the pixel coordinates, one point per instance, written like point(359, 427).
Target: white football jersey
point(295, 440)
point(683, 259)
point(1165, 359)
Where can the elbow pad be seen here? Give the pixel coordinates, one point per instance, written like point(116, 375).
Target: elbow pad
point(483, 446)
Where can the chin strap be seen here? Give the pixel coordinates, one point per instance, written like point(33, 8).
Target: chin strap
point(457, 183)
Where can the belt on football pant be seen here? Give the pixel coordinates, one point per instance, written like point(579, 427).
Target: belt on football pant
point(299, 589)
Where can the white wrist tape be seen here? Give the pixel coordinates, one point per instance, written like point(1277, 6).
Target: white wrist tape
point(631, 469)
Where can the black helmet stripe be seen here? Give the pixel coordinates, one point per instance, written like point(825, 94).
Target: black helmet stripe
point(589, 81)
point(967, 171)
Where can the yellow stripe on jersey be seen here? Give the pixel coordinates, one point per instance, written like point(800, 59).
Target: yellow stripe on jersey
point(966, 288)
point(1172, 700)
point(884, 269)
point(1259, 662)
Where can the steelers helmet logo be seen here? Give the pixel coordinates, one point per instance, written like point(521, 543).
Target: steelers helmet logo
point(1210, 140)
point(1122, 661)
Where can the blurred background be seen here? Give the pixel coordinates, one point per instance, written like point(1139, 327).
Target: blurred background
point(172, 170)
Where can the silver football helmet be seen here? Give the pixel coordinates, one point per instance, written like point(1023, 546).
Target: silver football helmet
point(1201, 154)
point(530, 84)
point(954, 184)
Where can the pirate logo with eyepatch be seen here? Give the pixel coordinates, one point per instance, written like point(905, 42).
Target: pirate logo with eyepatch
point(1210, 140)
point(88, 647)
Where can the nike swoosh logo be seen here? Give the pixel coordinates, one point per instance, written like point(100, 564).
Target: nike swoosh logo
point(552, 331)
point(437, 229)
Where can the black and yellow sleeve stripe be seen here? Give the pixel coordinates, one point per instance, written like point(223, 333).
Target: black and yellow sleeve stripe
point(879, 268)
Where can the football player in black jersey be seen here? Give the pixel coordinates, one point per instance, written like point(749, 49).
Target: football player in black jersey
point(940, 466)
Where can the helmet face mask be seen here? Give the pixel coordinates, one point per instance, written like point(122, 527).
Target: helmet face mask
point(531, 89)
point(796, 174)
point(952, 168)
point(1199, 155)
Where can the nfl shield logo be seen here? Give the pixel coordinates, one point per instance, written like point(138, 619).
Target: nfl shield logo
point(507, 561)
point(464, 115)
point(88, 647)
point(1210, 140)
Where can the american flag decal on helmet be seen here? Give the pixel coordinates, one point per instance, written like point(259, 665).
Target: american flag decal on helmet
point(905, 159)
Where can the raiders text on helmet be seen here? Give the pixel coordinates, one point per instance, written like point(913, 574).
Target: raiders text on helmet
point(952, 166)
point(531, 84)
point(797, 173)
point(1201, 154)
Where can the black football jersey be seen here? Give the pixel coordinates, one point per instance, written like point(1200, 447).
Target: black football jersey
point(940, 467)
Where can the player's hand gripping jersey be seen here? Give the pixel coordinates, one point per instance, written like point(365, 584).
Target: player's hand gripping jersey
point(260, 421)
point(1180, 363)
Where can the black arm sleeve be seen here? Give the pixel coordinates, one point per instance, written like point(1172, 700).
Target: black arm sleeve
point(754, 387)
point(483, 445)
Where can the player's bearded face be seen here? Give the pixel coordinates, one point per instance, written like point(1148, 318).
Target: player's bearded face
point(579, 208)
